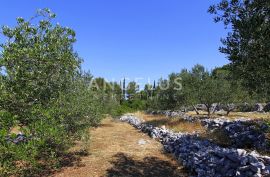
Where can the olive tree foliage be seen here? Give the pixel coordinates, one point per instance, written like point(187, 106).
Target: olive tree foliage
point(199, 86)
point(38, 62)
point(233, 92)
point(247, 44)
point(191, 83)
point(169, 92)
point(210, 92)
point(44, 94)
point(80, 108)
point(212, 88)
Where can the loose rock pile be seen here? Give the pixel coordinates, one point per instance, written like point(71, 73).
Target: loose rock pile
point(242, 133)
point(203, 157)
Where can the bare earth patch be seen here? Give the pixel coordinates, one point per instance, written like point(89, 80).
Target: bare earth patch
point(119, 150)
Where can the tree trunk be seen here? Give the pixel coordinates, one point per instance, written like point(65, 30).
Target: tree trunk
point(228, 112)
point(208, 110)
point(196, 110)
point(214, 110)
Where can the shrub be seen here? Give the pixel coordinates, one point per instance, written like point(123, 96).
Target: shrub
point(6, 120)
point(121, 109)
point(43, 142)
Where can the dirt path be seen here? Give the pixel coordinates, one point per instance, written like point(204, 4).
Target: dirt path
point(119, 150)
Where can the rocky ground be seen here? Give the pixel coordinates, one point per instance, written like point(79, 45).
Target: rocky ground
point(119, 150)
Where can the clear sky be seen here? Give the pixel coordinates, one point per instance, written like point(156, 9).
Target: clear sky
point(133, 38)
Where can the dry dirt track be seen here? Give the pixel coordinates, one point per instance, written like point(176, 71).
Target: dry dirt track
point(115, 152)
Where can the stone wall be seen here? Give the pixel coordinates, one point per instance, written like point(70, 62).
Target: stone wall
point(204, 157)
point(178, 114)
point(242, 133)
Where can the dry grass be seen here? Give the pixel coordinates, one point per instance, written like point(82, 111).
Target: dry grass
point(179, 125)
point(15, 130)
point(174, 124)
point(114, 151)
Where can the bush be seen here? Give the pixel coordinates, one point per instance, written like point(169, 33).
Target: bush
point(43, 141)
point(120, 110)
point(138, 104)
point(6, 120)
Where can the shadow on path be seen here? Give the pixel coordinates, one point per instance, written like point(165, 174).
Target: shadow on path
point(124, 166)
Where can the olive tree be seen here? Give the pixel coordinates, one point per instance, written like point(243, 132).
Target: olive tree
point(247, 43)
point(38, 62)
point(192, 82)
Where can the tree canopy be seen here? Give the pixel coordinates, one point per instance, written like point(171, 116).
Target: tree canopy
point(247, 43)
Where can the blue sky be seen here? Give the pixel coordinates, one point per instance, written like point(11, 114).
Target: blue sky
point(133, 38)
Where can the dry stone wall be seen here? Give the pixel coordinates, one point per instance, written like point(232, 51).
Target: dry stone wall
point(242, 133)
point(204, 157)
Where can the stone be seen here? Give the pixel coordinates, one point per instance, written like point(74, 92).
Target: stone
point(244, 168)
point(255, 169)
point(142, 142)
point(241, 152)
point(252, 159)
point(201, 107)
point(266, 170)
point(254, 153)
point(267, 107)
point(20, 138)
point(258, 107)
point(242, 133)
point(244, 160)
point(266, 159)
point(233, 157)
point(258, 165)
